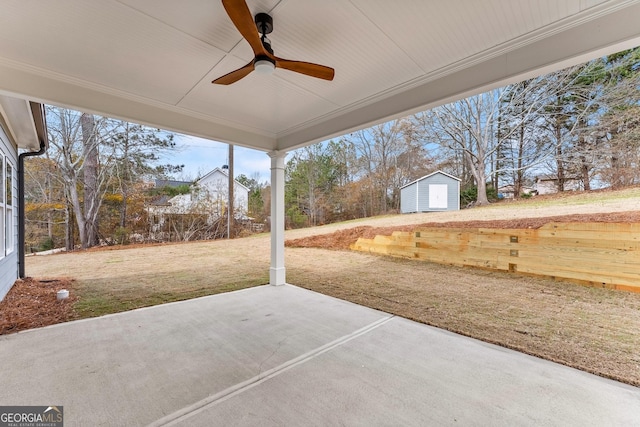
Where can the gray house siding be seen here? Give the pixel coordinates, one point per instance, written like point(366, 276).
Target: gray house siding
point(408, 199)
point(435, 192)
point(8, 273)
point(8, 215)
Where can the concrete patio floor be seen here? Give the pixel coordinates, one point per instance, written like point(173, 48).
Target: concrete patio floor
point(276, 356)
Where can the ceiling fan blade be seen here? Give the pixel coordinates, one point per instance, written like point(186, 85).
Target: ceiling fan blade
point(234, 76)
point(240, 15)
point(307, 68)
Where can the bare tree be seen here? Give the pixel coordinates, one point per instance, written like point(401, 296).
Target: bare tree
point(92, 198)
point(465, 127)
point(497, 132)
point(389, 155)
point(73, 136)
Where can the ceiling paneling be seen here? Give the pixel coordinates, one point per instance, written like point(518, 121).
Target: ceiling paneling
point(263, 104)
point(152, 61)
point(107, 44)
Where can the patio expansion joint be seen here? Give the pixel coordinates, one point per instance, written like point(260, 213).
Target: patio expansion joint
point(210, 401)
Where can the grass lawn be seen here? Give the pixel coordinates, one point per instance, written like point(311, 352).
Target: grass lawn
point(110, 281)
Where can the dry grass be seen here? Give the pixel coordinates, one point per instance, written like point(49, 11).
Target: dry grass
point(597, 330)
point(111, 281)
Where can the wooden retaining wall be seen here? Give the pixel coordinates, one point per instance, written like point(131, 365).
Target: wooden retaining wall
point(595, 254)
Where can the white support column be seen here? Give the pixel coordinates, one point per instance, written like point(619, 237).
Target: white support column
point(277, 270)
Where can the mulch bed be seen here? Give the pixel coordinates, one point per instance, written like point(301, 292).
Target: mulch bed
point(32, 304)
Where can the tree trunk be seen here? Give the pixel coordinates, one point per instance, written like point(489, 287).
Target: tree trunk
point(480, 178)
point(559, 157)
point(518, 184)
point(123, 207)
point(68, 214)
point(126, 177)
point(585, 175)
point(482, 191)
point(90, 171)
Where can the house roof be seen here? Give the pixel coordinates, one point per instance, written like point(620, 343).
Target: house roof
point(25, 122)
point(430, 175)
point(511, 188)
point(160, 183)
point(555, 178)
point(222, 171)
point(152, 61)
point(162, 200)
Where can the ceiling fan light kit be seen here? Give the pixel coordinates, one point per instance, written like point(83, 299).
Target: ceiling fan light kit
point(255, 33)
point(264, 65)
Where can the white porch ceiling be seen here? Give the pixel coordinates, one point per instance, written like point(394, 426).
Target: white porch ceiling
point(152, 61)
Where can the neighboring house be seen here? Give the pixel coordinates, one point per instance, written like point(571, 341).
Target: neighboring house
point(161, 183)
point(508, 191)
point(22, 126)
point(438, 191)
point(209, 196)
point(214, 186)
point(548, 184)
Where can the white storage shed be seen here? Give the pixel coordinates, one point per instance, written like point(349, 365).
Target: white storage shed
point(438, 191)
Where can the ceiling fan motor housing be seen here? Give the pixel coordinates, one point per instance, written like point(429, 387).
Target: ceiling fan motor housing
point(264, 23)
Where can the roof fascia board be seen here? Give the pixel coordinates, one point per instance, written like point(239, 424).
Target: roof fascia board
point(431, 174)
point(19, 121)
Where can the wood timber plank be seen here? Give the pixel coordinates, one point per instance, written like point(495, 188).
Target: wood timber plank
point(604, 254)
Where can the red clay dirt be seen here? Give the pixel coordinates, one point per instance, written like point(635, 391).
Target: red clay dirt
point(342, 239)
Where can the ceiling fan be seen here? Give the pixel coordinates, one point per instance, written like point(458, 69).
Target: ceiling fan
point(264, 60)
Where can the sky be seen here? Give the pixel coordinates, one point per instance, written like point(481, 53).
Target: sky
point(200, 156)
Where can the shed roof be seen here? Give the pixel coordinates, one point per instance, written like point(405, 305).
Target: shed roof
point(430, 175)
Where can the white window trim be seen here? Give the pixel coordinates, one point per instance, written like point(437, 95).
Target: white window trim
point(10, 210)
point(3, 207)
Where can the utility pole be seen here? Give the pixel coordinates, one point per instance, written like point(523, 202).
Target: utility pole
point(230, 216)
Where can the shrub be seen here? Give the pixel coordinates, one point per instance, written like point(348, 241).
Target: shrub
point(46, 245)
point(470, 195)
point(121, 236)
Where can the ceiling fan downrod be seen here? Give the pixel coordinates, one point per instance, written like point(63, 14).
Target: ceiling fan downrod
point(264, 24)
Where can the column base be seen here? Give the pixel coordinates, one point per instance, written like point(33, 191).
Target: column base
point(277, 276)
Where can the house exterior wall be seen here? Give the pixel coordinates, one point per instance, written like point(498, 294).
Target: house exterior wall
point(216, 187)
point(208, 196)
point(8, 214)
point(416, 197)
point(550, 186)
point(508, 191)
point(546, 187)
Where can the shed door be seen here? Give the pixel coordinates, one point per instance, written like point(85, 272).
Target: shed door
point(438, 196)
